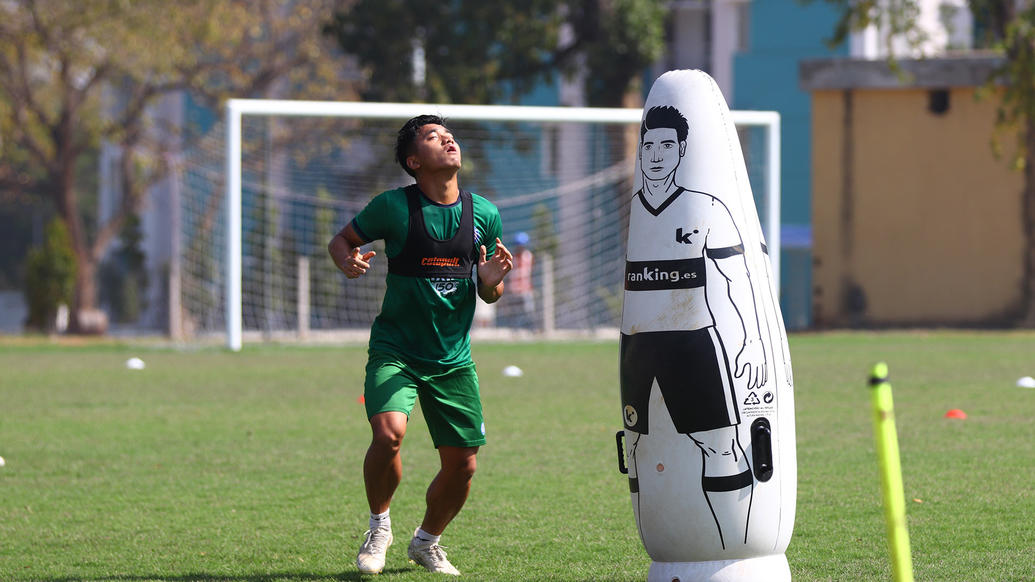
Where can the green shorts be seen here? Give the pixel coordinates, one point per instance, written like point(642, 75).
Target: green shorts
point(449, 398)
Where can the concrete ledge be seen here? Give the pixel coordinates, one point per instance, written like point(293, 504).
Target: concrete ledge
point(934, 73)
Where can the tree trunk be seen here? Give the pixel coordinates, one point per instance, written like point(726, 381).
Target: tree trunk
point(84, 317)
point(1028, 205)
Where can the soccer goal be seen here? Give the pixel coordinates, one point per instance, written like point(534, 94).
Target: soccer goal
point(258, 214)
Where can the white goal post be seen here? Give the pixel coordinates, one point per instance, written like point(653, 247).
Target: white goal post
point(236, 109)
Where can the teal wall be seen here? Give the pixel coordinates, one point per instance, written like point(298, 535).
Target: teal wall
point(765, 77)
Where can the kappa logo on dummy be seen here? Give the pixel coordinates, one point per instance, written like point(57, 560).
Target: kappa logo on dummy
point(630, 415)
point(684, 238)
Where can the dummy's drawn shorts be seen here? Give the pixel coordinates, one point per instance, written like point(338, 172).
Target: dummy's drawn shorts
point(692, 371)
point(449, 398)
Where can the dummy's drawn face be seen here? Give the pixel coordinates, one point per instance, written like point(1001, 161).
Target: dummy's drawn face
point(660, 152)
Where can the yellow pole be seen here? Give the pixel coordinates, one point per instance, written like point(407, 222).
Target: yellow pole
point(890, 474)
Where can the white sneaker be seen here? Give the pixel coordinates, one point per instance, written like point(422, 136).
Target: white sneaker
point(432, 557)
point(371, 558)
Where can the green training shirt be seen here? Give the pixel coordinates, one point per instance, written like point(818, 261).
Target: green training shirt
point(425, 320)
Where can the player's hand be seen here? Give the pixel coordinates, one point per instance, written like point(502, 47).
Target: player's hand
point(751, 361)
point(356, 264)
point(491, 271)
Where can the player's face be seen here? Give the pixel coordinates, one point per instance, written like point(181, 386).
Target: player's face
point(660, 151)
point(436, 149)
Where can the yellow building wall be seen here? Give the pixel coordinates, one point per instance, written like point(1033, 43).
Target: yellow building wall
point(915, 221)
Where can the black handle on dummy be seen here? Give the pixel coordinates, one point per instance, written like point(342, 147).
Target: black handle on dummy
point(621, 453)
point(762, 448)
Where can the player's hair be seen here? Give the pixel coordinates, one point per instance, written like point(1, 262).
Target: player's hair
point(404, 143)
point(665, 116)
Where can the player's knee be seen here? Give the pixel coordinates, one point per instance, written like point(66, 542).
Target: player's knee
point(468, 467)
point(387, 441)
point(462, 466)
point(387, 438)
point(388, 430)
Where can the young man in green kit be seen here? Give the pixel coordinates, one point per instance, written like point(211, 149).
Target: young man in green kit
point(435, 233)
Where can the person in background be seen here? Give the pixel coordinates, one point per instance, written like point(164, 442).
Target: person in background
point(517, 310)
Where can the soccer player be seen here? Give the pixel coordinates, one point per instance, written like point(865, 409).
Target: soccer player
point(435, 234)
point(683, 349)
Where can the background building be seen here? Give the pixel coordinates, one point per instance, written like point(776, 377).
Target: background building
point(917, 222)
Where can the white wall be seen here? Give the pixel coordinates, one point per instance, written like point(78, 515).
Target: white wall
point(947, 25)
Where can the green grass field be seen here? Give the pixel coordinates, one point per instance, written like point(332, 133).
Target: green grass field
point(209, 465)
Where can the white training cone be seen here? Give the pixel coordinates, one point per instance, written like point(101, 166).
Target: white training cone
point(706, 385)
point(135, 364)
point(513, 372)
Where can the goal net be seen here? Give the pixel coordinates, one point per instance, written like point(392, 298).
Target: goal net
point(259, 206)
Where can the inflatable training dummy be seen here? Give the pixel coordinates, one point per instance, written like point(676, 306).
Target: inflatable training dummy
point(707, 391)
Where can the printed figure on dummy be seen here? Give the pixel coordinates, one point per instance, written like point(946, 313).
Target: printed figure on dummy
point(705, 378)
point(703, 407)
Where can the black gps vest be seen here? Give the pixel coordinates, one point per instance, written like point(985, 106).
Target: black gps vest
point(426, 256)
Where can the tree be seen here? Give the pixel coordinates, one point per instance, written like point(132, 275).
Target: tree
point(1007, 27)
point(74, 75)
point(478, 52)
point(50, 276)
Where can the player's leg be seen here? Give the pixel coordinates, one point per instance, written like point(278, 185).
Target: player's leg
point(382, 466)
point(445, 497)
point(382, 472)
point(389, 393)
point(449, 489)
point(451, 404)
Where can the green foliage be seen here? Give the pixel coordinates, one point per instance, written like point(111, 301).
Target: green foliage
point(1017, 106)
point(481, 52)
point(124, 278)
point(467, 45)
point(49, 276)
point(630, 39)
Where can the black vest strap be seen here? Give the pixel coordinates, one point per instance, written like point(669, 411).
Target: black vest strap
point(426, 256)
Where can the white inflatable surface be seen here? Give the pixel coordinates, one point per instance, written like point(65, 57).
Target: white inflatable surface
point(707, 389)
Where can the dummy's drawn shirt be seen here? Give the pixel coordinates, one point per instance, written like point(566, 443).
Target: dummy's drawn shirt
point(674, 239)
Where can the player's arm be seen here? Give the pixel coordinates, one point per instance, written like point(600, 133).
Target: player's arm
point(344, 251)
point(492, 270)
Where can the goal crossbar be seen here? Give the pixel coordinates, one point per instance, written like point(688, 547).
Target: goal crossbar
point(237, 108)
